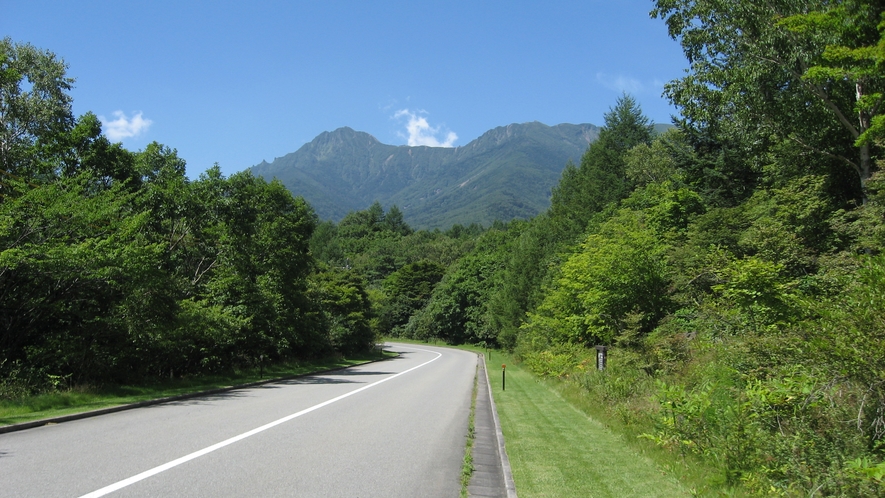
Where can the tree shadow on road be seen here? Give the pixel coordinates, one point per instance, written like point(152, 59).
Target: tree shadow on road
point(331, 377)
point(205, 398)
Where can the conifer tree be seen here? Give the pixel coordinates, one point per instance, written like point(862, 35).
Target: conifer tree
point(601, 178)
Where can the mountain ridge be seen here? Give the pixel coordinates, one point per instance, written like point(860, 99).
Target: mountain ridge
point(505, 173)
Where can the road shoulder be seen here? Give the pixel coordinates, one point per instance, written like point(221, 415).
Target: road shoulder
point(491, 477)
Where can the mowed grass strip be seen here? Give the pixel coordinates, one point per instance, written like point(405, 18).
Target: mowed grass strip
point(556, 450)
point(83, 399)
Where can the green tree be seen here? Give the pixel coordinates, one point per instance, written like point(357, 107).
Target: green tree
point(85, 148)
point(765, 73)
point(262, 265)
point(458, 311)
point(619, 271)
point(325, 245)
point(394, 222)
point(345, 308)
point(583, 193)
point(407, 290)
point(654, 163)
point(35, 107)
point(518, 287)
point(78, 280)
point(601, 178)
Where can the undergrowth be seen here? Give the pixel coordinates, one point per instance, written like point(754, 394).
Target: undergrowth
point(727, 429)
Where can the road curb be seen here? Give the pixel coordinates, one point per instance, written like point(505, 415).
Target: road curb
point(103, 411)
point(492, 477)
point(499, 434)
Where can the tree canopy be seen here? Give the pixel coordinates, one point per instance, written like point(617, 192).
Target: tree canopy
point(807, 73)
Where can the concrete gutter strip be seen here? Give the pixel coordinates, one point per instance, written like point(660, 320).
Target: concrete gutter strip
point(94, 413)
point(505, 461)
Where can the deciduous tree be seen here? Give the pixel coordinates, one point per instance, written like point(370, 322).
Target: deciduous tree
point(786, 70)
point(35, 107)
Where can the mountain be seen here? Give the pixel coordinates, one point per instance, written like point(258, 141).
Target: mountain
point(506, 173)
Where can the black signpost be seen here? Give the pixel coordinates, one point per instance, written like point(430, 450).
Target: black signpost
point(601, 357)
point(503, 377)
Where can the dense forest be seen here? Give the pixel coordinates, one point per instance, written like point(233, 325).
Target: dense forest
point(732, 265)
point(115, 267)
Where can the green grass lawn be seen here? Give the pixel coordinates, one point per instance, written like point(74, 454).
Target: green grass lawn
point(557, 450)
point(86, 399)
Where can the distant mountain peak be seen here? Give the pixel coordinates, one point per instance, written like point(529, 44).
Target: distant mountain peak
point(506, 173)
point(344, 133)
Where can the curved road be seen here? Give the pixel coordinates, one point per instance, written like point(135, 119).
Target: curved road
point(386, 429)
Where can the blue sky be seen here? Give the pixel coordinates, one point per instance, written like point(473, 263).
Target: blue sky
point(241, 82)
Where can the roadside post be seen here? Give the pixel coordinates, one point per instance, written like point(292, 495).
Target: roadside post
point(261, 367)
point(503, 377)
point(601, 357)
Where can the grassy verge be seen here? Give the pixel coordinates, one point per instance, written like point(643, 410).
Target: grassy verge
point(79, 400)
point(561, 442)
point(555, 449)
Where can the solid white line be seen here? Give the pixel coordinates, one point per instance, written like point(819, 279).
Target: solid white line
point(174, 463)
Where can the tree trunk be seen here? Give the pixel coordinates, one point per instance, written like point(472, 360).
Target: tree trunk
point(866, 164)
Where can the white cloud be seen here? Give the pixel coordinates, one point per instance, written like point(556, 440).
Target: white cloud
point(620, 83)
point(421, 133)
point(122, 127)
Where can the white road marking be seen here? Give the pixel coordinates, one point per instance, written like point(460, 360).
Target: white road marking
point(174, 463)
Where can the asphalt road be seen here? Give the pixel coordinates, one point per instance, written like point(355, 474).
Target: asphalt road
point(386, 429)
